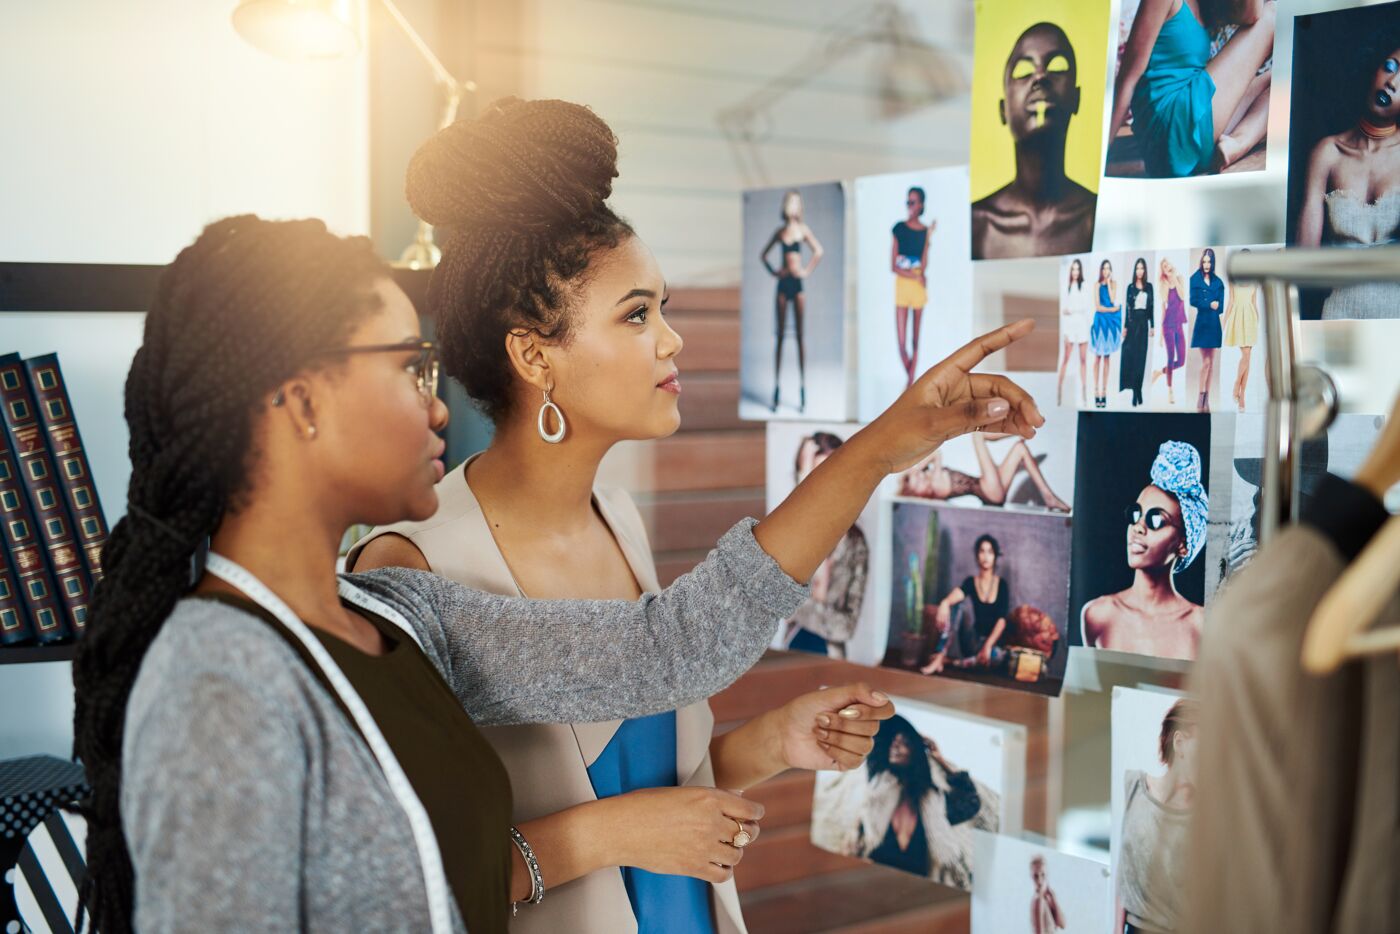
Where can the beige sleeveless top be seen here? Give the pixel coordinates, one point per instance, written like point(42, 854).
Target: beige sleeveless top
point(548, 763)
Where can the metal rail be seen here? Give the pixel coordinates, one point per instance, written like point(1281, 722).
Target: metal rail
point(1303, 398)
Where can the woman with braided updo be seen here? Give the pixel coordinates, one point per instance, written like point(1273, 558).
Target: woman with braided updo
point(545, 298)
point(271, 747)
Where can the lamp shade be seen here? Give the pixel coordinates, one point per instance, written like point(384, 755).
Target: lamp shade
point(299, 29)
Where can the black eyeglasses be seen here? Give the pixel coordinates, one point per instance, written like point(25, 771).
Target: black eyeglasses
point(425, 366)
point(1155, 518)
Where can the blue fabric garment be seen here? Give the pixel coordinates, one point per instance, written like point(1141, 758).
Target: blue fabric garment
point(1106, 332)
point(806, 641)
point(642, 754)
point(1206, 332)
point(1172, 102)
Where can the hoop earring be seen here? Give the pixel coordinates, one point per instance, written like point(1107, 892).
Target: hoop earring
point(550, 437)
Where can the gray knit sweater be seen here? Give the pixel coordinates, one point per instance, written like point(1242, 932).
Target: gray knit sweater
point(251, 803)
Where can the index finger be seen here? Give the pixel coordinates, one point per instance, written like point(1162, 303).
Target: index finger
point(995, 386)
point(740, 808)
point(980, 348)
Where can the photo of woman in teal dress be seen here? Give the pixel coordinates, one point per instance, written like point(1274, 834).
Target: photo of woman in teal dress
point(1192, 90)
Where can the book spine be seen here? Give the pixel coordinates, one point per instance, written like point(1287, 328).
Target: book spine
point(36, 471)
point(74, 471)
point(31, 568)
point(15, 628)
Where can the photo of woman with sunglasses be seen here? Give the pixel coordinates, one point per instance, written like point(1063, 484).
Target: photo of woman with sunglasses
point(1163, 530)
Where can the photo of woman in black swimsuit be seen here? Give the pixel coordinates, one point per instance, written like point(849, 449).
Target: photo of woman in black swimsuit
point(790, 273)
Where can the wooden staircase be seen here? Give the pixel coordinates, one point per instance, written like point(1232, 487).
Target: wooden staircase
point(691, 488)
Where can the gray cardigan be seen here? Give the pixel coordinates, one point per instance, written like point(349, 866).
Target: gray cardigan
point(251, 803)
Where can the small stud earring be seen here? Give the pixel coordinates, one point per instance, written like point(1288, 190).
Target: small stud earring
point(310, 432)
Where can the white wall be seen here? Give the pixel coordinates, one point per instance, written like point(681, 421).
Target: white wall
point(661, 71)
point(125, 128)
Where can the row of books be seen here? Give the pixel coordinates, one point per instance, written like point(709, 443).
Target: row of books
point(53, 529)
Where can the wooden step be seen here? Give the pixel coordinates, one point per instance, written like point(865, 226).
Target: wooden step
point(711, 342)
point(786, 800)
point(710, 401)
point(708, 460)
point(785, 855)
point(709, 301)
point(861, 898)
point(696, 520)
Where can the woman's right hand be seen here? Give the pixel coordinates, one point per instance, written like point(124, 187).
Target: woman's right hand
point(947, 401)
point(681, 831)
point(950, 400)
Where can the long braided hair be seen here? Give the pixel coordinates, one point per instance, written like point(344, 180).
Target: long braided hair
point(520, 199)
point(240, 311)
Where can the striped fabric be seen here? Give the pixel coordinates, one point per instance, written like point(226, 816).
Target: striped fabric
point(49, 872)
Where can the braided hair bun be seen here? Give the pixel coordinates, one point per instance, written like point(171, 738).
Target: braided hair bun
point(522, 164)
point(520, 198)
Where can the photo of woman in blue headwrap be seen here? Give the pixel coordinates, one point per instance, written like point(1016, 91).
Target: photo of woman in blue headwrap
point(1166, 530)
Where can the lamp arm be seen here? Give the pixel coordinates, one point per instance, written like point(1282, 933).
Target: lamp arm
point(440, 72)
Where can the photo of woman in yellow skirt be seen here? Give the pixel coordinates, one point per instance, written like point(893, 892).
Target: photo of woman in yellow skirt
point(908, 260)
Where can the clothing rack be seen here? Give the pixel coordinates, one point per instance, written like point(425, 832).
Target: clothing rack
point(1303, 398)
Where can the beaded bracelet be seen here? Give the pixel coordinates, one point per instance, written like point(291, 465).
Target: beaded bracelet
point(532, 864)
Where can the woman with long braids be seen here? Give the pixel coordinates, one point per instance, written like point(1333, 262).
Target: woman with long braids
point(269, 746)
point(528, 516)
point(790, 235)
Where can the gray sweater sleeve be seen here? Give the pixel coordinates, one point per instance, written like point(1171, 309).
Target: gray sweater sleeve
point(513, 661)
point(213, 790)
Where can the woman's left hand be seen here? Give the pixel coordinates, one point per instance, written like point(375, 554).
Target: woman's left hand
point(833, 728)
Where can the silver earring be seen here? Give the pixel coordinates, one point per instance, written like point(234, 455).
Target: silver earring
point(550, 437)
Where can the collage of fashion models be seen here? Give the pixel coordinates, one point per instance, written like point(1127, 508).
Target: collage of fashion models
point(1119, 522)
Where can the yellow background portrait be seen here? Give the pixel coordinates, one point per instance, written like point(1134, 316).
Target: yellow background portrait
point(999, 24)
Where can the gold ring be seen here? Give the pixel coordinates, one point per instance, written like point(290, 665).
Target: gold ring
point(742, 838)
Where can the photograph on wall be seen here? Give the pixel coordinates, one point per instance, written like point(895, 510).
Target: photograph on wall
point(933, 779)
point(1343, 150)
point(1191, 88)
point(1341, 451)
point(840, 619)
point(1141, 506)
point(1004, 292)
point(1160, 331)
point(1003, 471)
point(1024, 886)
point(1153, 764)
point(1037, 125)
point(979, 595)
point(913, 278)
point(793, 304)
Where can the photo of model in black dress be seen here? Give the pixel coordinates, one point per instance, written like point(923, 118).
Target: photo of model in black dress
point(1139, 329)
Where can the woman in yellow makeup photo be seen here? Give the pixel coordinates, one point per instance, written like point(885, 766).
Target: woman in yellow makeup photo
point(550, 310)
point(272, 746)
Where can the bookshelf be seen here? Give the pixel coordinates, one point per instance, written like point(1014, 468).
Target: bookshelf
point(85, 288)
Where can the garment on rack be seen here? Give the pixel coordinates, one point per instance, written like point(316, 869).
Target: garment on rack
point(1296, 823)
